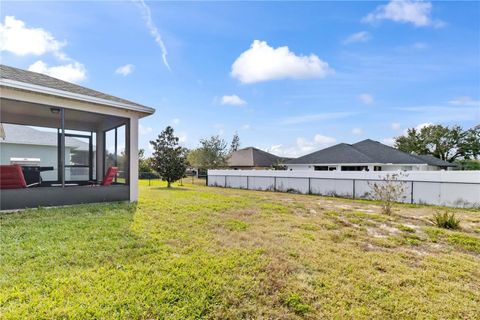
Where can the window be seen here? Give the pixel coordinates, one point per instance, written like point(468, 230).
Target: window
point(354, 168)
point(116, 154)
point(320, 168)
point(377, 168)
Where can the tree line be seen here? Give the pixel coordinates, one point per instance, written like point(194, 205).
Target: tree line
point(453, 144)
point(170, 160)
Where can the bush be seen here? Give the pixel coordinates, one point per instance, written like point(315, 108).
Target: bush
point(446, 220)
point(389, 190)
point(295, 303)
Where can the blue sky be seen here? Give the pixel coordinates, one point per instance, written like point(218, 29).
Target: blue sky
point(352, 70)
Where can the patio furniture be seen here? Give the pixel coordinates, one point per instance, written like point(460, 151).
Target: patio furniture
point(11, 177)
point(32, 173)
point(108, 178)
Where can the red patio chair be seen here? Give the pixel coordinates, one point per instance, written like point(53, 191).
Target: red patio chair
point(108, 178)
point(11, 177)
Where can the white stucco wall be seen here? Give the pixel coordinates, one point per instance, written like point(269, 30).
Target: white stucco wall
point(449, 188)
point(46, 154)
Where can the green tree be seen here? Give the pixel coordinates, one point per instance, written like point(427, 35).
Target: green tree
point(169, 158)
point(211, 154)
point(471, 144)
point(144, 163)
point(235, 143)
point(444, 142)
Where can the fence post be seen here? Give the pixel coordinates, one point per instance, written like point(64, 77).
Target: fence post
point(225, 184)
point(274, 183)
point(353, 187)
point(247, 183)
point(309, 185)
point(206, 180)
point(411, 193)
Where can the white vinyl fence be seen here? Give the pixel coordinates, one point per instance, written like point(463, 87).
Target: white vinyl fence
point(446, 188)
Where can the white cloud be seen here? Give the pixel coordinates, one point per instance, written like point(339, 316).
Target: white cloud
point(420, 46)
point(182, 137)
point(321, 139)
point(418, 127)
point(233, 100)
point(143, 130)
point(366, 98)
point(415, 12)
point(263, 63)
point(17, 38)
point(423, 125)
point(71, 72)
point(465, 101)
point(314, 117)
point(389, 141)
point(147, 17)
point(175, 121)
point(395, 126)
point(362, 36)
point(246, 127)
point(302, 146)
point(125, 70)
point(357, 131)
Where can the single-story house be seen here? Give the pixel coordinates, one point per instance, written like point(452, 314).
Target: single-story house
point(253, 158)
point(366, 155)
point(107, 124)
point(29, 146)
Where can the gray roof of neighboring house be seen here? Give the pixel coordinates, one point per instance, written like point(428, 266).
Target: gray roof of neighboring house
point(18, 134)
point(340, 153)
point(253, 157)
point(431, 160)
point(366, 151)
point(11, 73)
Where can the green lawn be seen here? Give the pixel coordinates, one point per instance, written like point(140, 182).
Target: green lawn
point(198, 252)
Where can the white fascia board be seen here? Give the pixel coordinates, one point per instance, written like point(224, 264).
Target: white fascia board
point(75, 96)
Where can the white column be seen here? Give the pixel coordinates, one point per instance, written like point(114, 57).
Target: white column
point(133, 172)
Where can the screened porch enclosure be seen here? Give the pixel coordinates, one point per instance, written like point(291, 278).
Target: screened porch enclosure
point(65, 153)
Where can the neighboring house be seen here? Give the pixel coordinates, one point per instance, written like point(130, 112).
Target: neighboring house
point(253, 158)
point(366, 155)
point(27, 145)
point(107, 123)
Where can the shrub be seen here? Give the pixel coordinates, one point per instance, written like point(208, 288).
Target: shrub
point(295, 303)
point(406, 228)
point(236, 225)
point(446, 220)
point(388, 191)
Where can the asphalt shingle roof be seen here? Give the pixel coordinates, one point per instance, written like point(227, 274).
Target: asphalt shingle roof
point(431, 160)
point(385, 154)
point(11, 73)
point(253, 157)
point(340, 153)
point(366, 151)
point(17, 134)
